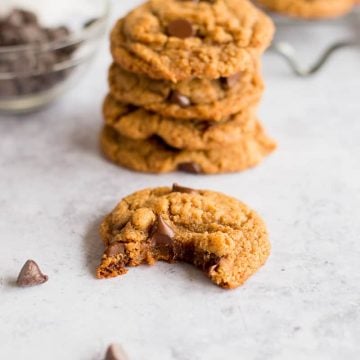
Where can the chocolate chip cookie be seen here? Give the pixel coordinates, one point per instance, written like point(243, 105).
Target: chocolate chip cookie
point(177, 40)
point(215, 232)
point(202, 99)
point(310, 8)
point(154, 155)
point(139, 124)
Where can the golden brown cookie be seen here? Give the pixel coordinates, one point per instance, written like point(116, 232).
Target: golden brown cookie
point(139, 124)
point(202, 99)
point(155, 156)
point(310, 8)
point(178, 40)
point(215, 232)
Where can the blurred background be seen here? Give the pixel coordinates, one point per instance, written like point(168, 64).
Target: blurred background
point(55, 188)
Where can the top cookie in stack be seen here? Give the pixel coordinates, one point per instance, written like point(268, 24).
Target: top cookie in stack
point(184, 86)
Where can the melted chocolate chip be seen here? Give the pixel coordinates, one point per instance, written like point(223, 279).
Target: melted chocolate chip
point(163, 229)
point(230, 81)
point(179, 99)
point(162, 238)
point(115, 352)
point(180, 28)
point(115, 249)
point(182, 189)
point(31, 275)
point(190, 167)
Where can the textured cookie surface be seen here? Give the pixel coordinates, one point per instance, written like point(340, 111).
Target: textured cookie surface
point(310, 8)
point(202, 99)
point(177, 40)
point(215, 232)
point(155, 156)
point(139, 124)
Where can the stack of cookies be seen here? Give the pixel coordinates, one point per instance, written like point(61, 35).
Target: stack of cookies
point(184, 87)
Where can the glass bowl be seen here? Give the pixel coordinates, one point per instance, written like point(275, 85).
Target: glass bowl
point(35, 74)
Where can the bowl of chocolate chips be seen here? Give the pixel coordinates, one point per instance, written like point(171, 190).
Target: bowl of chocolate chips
point(45, 46)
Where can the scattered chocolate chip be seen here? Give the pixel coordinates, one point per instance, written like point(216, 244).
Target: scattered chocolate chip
point(230, 81)
point(182, 189)
point(190, 167)
point(179, 99)
point(115, 249)
point(115, 352)
point(180, 28)
point(31, 275)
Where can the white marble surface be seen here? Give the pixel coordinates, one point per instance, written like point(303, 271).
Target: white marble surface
point(304, 304)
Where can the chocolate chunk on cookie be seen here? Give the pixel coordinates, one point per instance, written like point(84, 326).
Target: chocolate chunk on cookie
point(177, 40)
point(215, 232)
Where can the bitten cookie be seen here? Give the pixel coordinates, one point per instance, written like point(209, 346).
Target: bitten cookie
point(139, 124)
point(155, 156)
point(177, 40)
point(215, 232)
point(310, 8)
point(202, 99)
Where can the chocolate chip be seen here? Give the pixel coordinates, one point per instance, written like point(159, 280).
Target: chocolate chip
point(162, 238)
point(31, 275)
point(230, 81)
point(32, 34)
point(190, 167)
point(182, 189)
point(115, 249)
point(214, 267)
point(162, 229)
point(19, 17)
point(180, 28)
point(179, 99)
point(8, 88)
point(115, 352)
point(57, 34)
point(9, 35)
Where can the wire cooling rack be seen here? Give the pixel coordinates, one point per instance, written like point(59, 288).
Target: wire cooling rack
point(329, 36)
